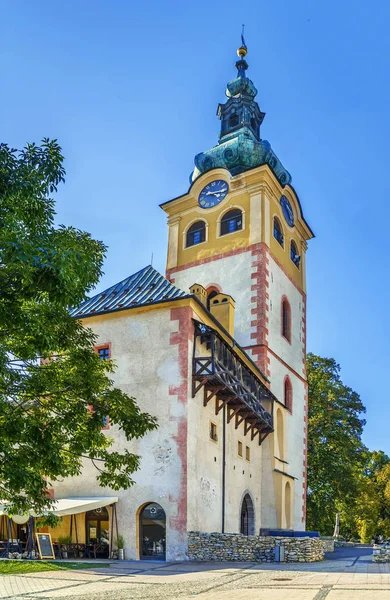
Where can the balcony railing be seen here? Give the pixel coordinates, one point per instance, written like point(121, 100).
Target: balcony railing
point(225, 376)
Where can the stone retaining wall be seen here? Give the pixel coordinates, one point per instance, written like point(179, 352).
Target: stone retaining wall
point(328, 542)
point(236, 547)
point(381, 554)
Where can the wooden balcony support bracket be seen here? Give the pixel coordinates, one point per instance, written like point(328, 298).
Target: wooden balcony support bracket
point(210, 392)
point(220, 403)
point(248, 425)
point(197, 386)
point(240, 418)
point(232, 411)
point(254, 433)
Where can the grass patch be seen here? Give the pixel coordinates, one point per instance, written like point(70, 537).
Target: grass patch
point(13, 567)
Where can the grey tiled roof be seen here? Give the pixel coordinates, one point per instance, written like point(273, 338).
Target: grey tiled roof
point(147, 286)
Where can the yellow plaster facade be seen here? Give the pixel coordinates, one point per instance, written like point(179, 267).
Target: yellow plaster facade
point(257, 194)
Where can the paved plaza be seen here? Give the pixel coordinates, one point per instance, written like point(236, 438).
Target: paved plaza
point(348, 575)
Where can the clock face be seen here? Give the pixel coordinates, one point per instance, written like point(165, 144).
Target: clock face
point(287, 211)
point(213, 193)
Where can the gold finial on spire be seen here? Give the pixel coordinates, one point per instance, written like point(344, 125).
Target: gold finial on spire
point(242, 50)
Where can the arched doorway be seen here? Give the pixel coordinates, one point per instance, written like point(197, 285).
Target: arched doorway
point(247, 519)
point(152, 528)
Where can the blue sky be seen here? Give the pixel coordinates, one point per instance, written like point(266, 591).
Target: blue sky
point(125, 85)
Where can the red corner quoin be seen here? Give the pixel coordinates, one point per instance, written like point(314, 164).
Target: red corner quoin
point(180, 338)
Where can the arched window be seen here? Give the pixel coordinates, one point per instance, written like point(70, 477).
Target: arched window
point(231, 221)
point(196, 233)
point(279, 446)
point(247, 517)
point(278, 232)
point(152, 526)
point(286, 319)
point(294, 254)
point(233, 120)
point(288, 394)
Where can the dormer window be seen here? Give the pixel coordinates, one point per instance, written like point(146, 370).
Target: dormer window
point(231, 221)
point(196, 234)
point(294, 254)
point(278, 232)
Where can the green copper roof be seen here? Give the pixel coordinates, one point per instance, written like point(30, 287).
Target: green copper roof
point(240, 146)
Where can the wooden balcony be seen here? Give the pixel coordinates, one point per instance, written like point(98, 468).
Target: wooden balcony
point(225, 377)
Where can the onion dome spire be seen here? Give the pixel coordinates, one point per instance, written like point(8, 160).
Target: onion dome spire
point(240, 146)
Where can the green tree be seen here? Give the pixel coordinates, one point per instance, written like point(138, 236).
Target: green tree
point(373, 501)
point(336, 454)
point(50, 377)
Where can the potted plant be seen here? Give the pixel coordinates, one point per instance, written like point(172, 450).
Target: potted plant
point(120, 544)
point(64, 542)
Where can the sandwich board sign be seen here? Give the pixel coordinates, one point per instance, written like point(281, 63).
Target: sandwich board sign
point(45, 546)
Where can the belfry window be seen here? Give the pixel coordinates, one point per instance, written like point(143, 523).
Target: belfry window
point(231, 221)
point(286, 319)
point(294, 255)
point(278, 232)
point(233, 120)
point(196, 234)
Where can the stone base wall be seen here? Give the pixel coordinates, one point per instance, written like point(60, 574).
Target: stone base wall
point(381, 554)
point(328, 542)
point(236, 547)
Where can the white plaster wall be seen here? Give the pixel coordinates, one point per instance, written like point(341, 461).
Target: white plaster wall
point(292, 354)
point(233, 275)
point(280, 285)
point(147, 366)
point(205, 471)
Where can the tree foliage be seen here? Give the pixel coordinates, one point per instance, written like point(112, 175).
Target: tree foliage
point(54, 389)
point(336, 454)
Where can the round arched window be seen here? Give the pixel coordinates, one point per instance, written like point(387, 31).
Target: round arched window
point(294, 254)
point(278, 232)
point(231, 221)
point(196, 233)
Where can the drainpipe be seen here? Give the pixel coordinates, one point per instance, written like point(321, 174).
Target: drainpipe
point(223, 465)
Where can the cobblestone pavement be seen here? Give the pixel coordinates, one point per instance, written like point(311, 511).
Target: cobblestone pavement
point(349, 578)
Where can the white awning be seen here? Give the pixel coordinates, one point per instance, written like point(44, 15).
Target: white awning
point(73, 506)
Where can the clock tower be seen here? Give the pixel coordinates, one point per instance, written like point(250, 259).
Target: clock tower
point(240, 231)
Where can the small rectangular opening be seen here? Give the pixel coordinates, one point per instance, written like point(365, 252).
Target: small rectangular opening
point(247, 453)
point(213, 432)
point(239, 449)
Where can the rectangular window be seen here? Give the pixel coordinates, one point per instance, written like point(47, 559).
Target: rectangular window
point(213, 432)
point(247, 453)
point(239, 449)
point(104, 352)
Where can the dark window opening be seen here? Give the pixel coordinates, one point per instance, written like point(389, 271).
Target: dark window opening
point(213, 432)
point(254, 124)
point(286, 320)
point(288, 394)
point(233, 120)
point(278, 232)
point(196, 233)
point(294, 255)
point(231, 221)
